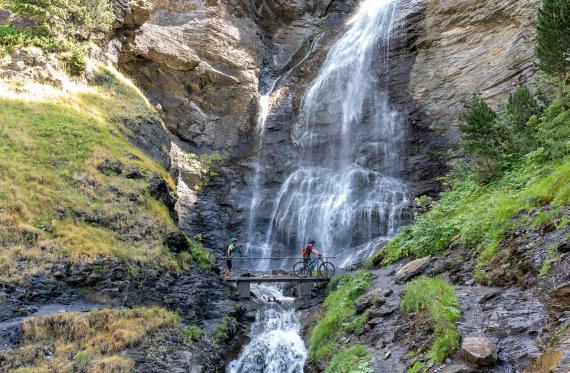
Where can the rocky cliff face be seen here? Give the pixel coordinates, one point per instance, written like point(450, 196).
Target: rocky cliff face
point(467, 47)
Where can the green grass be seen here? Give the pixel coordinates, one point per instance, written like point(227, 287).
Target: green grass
point(438, 299)
point(339, 316)
point(417, 367)
point(12, 38)
point(552, 257)
point(92, 341)
point(50, 150)
point(354, 359)
point(479, 216)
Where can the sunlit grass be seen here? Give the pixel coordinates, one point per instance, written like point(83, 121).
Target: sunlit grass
point(84, 342)
point(50, 148)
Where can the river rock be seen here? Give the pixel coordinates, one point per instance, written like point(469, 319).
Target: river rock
point(5, 15)
point(411, 269)
point(479, 350)
point(373, 298)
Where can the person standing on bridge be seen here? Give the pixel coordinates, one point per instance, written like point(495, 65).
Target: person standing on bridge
point(308, 250)
point(230, 247)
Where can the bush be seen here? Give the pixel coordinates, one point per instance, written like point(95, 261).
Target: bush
point(192, 332)
point(74, 62)
point(438, 298)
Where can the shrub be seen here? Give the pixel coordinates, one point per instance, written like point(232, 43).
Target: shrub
point(438, 298)
point(74, 62)
point(192, 332)
point(225, 330)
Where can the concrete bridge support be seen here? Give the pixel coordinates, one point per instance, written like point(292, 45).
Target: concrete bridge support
point(244, 289)
point(304, 290)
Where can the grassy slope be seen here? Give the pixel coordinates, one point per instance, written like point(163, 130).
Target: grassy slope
point(338, 318)
point(87, 342)
point(479, 216)
point(50, 147)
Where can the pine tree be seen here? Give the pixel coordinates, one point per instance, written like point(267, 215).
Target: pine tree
point(478, 129)
point(553, 49)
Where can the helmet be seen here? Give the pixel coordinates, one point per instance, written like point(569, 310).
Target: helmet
point(233, 239)
point(311, 242)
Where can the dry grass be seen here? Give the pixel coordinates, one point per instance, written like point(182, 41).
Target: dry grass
point(51, 144)
point(87, 342)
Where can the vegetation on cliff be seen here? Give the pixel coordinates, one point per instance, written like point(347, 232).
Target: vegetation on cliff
point(438, 299)
point(72, 188)
point(478, 213)
point(62, 26)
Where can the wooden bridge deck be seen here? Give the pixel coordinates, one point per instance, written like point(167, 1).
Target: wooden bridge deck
point(258, 280)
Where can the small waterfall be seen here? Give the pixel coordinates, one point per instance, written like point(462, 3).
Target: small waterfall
point(276, 345)
point(344, 191)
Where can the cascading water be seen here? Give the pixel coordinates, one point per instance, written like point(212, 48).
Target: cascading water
point(276, 346)
point(344, 191)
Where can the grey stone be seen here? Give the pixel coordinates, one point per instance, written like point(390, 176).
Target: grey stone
point(479, 350)
point(411, 269)
point(5, 15)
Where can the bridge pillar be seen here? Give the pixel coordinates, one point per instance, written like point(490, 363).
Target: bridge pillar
point(304, 290)
point(243, 289)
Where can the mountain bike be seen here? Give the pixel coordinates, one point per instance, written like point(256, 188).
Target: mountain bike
point(310, 266)
point(240, 261)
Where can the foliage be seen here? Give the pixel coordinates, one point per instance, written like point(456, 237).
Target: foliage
point(417, 367)
point(87, 342)
point(553, 49)
point(53, 199)
point(225, 330)
point(74, 20)
point(12, 38)
point(338, 313)
point(438, 298)
point(479, 216)
point(350, 360)
point(74, 62)
point(192, 332)
point(498, 141)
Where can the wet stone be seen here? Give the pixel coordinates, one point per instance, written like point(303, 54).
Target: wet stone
point(411, 269)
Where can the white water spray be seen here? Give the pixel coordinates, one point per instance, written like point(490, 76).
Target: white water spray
point(344, 191)
point(276, 346)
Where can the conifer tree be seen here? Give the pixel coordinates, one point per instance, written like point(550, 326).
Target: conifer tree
point(553, 49)
point(478, 129)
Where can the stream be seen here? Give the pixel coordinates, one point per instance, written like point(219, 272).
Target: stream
point(276, 345)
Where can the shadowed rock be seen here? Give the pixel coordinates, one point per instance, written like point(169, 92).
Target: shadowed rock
point(479, 350)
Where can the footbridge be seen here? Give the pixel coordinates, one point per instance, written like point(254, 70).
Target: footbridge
point(302, 274)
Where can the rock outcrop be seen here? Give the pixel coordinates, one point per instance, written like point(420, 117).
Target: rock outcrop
point(470, 46)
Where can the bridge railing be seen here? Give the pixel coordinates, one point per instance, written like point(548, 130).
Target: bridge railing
point(245, 263)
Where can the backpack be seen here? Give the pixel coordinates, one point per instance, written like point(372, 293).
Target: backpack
point(304, 253)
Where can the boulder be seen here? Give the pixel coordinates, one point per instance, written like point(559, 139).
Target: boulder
point(5, 15)
point(411, 269)
point(479, 350)
point(373, 298)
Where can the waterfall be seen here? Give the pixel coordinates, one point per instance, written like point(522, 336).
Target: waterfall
point(344, 191)
point(276, 346)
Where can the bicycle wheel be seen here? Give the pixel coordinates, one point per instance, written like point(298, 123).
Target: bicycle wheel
point(300, 270)
point(214, 260)
point(326, 269)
